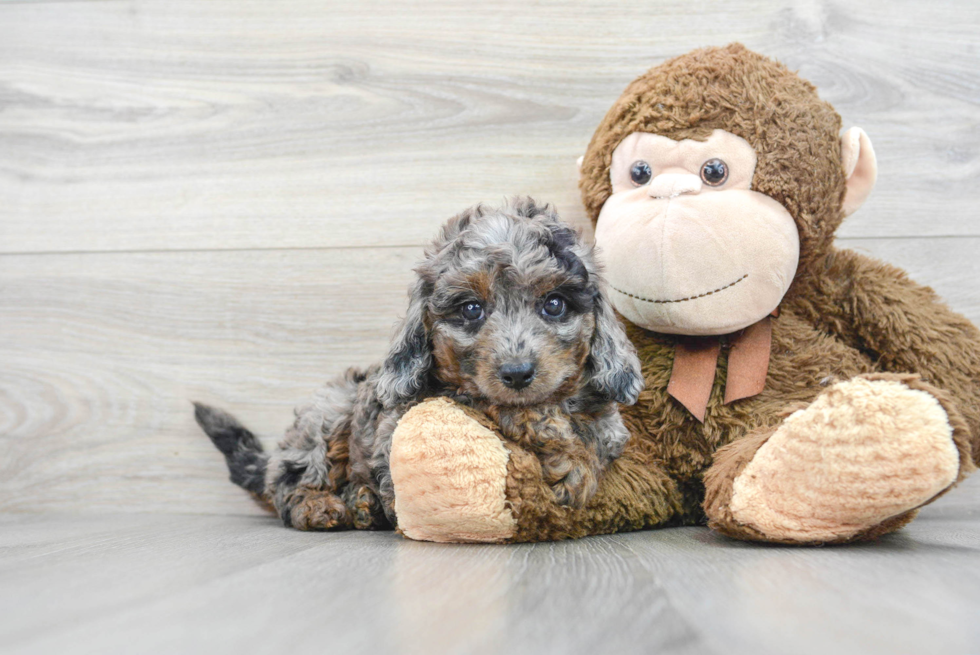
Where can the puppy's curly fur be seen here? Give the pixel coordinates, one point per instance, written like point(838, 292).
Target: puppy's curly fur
point(507, 316)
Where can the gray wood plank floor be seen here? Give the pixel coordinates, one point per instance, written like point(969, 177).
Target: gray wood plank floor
point(244, 584)
point(223, 200)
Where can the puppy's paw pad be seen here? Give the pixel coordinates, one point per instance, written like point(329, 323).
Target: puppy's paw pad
point(863, 451)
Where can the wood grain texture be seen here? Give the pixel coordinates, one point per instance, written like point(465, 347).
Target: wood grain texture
point(166, 584)
point(222, 201)
point(103, 353)
point(179, 124)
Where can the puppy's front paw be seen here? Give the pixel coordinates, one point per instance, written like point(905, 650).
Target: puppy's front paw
point(312, 509)
point(366, 511)
point(576, 489)
point(573, 475)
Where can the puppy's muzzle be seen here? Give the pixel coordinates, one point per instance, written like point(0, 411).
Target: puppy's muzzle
point(517, 375)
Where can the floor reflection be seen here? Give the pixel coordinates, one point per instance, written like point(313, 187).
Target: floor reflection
point(450, 598)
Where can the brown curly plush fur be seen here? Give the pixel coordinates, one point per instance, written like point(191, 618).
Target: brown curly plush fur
point(794, 133)
point(845, 315)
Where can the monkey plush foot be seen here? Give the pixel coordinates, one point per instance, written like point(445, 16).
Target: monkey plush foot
point(855, 464)
point(449, 470)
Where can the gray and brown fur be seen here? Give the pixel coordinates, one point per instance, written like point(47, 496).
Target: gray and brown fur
point(331, 468)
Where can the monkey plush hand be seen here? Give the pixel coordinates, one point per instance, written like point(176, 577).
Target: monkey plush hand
point(795, 393)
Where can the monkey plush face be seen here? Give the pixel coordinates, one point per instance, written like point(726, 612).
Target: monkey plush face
point(689, 247)
point(716, 182)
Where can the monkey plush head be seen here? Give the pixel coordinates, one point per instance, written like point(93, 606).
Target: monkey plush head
point(716, 180)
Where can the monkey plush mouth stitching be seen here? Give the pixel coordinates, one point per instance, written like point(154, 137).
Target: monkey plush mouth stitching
point(664, 302)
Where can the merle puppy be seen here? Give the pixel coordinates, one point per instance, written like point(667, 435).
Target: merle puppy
point(507, 316)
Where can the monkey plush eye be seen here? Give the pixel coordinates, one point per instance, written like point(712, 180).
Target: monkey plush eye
point(640, 173)
point(714, 172)
point(554, 307)
point(471, 311)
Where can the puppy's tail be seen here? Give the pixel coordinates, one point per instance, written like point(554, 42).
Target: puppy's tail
point(242, 449)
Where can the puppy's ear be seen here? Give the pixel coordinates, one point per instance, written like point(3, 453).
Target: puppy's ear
point(613, 367)
point(409, 358)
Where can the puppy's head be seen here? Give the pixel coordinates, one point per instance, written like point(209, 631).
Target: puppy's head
point(508, 308)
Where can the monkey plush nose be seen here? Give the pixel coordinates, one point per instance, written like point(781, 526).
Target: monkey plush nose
point(517, 375)
point(671, 185)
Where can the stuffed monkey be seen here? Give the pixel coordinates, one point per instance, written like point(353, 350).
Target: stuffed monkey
point(795, 392)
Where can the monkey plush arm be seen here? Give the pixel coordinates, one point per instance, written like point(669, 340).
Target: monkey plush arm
point(457, 480)
point(903, 326)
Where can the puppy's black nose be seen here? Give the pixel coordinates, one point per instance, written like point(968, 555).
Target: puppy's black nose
point(517, 375)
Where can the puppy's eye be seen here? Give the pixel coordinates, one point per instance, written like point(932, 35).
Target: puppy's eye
point(471, 311)
point(714, 172)
point(640, 173)
point(554, 307)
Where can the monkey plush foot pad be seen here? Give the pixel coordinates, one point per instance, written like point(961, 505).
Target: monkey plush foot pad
point(450, 474)
point(863, 452)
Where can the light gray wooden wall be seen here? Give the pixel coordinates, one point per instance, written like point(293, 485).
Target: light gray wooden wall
point(223, 200)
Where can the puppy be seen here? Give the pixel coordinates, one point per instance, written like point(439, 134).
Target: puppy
point(507, 316)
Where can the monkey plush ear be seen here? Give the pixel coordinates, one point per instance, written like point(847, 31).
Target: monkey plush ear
point(860, 168)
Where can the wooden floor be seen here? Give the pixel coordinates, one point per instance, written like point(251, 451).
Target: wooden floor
point(190, 584)
point(223, 201)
